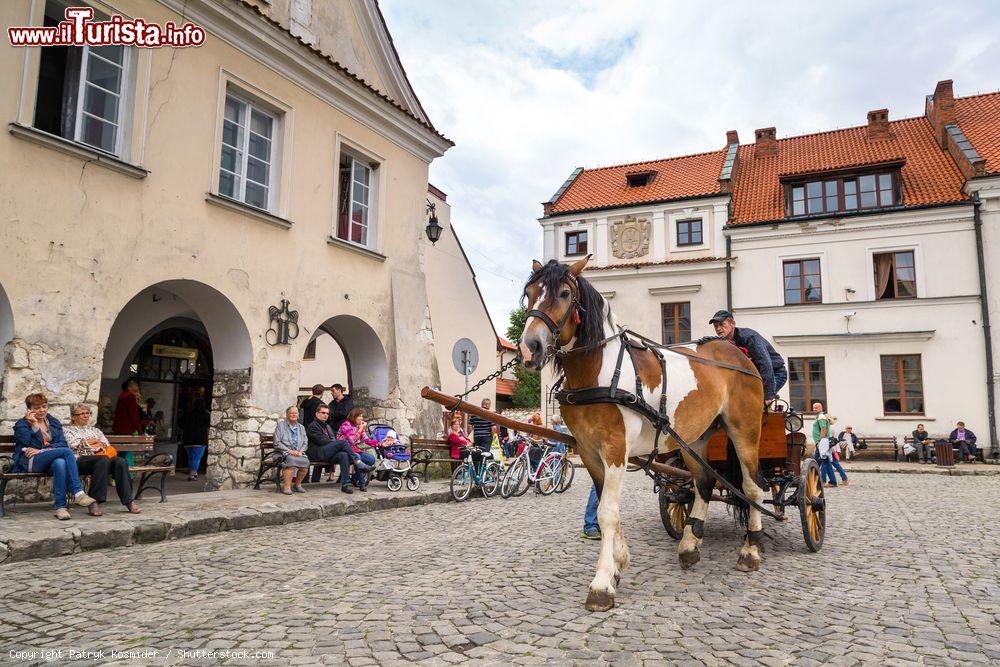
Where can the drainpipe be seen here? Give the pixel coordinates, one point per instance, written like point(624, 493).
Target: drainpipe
point(729, 274)
point(987, 336)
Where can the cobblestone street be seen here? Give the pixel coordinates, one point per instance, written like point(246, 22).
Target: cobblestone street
point(908, 573)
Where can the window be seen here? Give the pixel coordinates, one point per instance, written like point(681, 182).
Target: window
point(902, 385)
point(354, 207)
point(676, 322)
point(807, 382)
point(576, 243)
point(842, 194)
point(82, 90)
point(895, 275)
point(246, 169)
point(802, 281)
point(689, 232)
point(638, 179)
point(310, 353)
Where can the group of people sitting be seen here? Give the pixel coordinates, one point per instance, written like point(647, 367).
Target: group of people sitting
point(43, 445)
point(961, 438)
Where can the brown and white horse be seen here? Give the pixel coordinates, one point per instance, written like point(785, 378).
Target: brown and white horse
point(700, 398)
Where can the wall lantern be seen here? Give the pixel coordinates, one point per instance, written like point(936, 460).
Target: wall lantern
point(433, 230)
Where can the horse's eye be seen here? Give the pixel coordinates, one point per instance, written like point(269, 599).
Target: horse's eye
point(564, 294)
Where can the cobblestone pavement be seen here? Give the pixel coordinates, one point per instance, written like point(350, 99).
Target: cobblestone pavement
point(908, 574)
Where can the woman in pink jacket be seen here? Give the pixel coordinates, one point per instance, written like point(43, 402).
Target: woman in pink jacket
point(353, 431)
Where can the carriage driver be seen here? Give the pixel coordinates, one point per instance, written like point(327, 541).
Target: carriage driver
point(769, 363)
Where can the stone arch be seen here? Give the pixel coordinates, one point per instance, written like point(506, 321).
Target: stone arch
point(363, 352)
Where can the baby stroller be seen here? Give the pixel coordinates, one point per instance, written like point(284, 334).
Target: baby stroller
point(392, 462)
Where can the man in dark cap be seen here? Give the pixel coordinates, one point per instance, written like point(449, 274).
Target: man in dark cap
point(769, 363)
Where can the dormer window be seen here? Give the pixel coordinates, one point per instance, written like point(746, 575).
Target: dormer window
point(638, 179)
point(842, 194)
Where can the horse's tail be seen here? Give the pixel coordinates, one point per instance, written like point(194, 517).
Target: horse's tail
point(733, 473)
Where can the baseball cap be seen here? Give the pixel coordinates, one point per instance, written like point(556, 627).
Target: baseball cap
point(720, 316)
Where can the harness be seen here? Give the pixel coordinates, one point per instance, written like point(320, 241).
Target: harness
point(633, 343)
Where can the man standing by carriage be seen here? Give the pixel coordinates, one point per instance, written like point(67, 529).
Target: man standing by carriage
point(765, 358)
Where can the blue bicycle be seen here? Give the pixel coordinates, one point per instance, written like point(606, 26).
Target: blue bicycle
point(478, 469)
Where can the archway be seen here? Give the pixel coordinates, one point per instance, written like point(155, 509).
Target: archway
point(346, 350)
point(185, 343)
point(6, 335)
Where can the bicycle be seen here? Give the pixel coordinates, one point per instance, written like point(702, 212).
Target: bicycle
point(546, 476)
point(485, 474)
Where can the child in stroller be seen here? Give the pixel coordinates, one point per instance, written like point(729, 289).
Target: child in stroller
point(392, 459)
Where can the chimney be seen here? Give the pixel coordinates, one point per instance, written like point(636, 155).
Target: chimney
point(546, 208)
point(765, 142)
point(878, 125)
point(939, 109)
point(732, 137)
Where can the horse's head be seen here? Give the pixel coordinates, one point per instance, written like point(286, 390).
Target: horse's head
point(554, 295)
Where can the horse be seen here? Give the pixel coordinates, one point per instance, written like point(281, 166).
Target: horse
point(570, 325)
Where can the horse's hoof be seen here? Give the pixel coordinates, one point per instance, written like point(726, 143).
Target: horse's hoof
point(688, 559)
point(600, 601)
point(618, 577)
point(747, 563)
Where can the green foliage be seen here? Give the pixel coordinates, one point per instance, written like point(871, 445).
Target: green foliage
point(528, 393)
point(516, 326)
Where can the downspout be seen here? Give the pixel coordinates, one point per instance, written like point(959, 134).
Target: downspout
point(729, 274)
point(987, 336)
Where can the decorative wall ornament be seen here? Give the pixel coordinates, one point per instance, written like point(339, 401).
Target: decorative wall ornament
point(630, 238)
point(284, 325)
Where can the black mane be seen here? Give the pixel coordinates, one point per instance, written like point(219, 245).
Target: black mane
point(590, 331)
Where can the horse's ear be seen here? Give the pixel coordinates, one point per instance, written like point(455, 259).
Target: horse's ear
point(536, 265)
point(576, 268)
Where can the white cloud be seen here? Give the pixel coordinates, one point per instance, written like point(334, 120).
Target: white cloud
point(530, 90)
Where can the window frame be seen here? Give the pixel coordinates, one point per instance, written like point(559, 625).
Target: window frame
point(120, 115)
point(841, 179)
point(375, 167)
point(273, 172)
point(807, 393)
point(895, 280)
point(690, 232)
point(678, 332)
point(801, 261)
point(576, 233)
point(900, 377)
point(310, 352)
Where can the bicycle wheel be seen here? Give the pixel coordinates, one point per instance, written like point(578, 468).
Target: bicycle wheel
point(524, 481)
point(547, 479)
point(566, 477)
point(461, 482)
point(512, 478)
point(491, 480)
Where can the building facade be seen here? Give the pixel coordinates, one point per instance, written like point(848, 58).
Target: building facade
point(194, 216)
point(855, 251)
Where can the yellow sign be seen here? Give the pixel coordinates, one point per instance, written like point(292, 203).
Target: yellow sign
point(175, 352)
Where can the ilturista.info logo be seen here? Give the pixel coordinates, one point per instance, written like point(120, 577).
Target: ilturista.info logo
point(80, 29)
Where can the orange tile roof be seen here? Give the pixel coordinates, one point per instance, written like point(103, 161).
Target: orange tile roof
point(979, 119)
point(506, 387)
point(506, 344)
point(676, 178)
point(930, 175)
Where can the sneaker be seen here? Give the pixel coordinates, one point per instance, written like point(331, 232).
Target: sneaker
point(845, 483)
point(298, 489)
point(63, 514)
point(346, 489)
point(363, 489)
point(594, 534)
point(286, 492)
point(83, 500)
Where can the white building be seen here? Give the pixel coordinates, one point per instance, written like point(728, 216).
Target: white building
point(854, 251)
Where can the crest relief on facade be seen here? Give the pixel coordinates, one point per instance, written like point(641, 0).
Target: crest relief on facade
point(630, 238)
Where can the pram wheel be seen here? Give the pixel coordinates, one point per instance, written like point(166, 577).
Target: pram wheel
point(412, 483)
point(395, 483)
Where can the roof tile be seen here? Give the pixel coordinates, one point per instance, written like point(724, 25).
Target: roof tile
point(979, 119)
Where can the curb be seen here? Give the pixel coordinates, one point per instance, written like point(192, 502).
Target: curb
point(973, 471)
point(52, 542)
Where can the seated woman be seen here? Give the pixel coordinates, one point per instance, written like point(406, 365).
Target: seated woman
point(39, 446)
point(90, 446)
point(353, 431)
point(290, 439)
point(458, 441)
point(324, 446)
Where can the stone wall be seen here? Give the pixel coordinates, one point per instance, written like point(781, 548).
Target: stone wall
point(234, 434)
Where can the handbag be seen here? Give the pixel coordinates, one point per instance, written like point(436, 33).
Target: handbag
point(109, 451)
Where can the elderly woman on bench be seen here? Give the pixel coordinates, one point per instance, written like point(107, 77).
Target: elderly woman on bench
point(290, 439)
point(40, 446)
point(94, 458)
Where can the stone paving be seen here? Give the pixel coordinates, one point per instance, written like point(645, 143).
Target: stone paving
point(908, 574)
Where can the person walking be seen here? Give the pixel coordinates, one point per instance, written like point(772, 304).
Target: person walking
point(821, 437)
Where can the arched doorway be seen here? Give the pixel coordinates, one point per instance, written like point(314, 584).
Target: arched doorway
point(346, 350)
point(6, 335)
point(185, 343)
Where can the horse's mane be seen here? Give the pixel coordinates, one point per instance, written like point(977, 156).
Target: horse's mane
point(590, 331)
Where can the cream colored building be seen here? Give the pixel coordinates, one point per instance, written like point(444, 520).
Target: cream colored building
point(174, 196)
point(854, 251)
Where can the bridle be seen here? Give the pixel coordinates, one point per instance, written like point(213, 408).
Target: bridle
point(554, 328)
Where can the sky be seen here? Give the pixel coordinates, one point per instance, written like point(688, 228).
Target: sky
point(530, 90)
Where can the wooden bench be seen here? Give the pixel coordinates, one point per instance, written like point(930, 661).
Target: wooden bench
point(270, 462)
point(427, 451)
point(156, 465)
point(934, 440)
point(878, 444)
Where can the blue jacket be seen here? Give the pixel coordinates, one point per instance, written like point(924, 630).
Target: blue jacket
point(970, 437)
point(763, 356)
point(25, 437)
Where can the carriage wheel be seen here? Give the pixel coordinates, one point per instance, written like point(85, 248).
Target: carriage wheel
point(674, 515)
point(812, 505)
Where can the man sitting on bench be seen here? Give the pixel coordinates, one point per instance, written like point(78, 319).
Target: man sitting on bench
point(39, 446)
point(324, 447)
point(965, 440)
